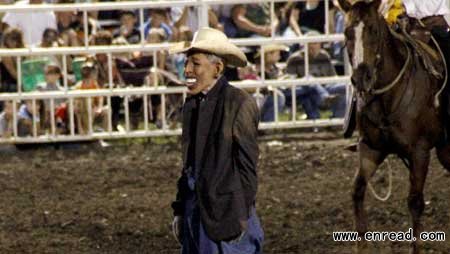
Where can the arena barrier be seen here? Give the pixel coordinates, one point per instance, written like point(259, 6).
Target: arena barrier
point(146, 130)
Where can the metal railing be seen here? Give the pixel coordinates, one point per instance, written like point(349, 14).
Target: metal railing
point(109, 90)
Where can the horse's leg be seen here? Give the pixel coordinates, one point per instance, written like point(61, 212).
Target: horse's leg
point(443, 154)
point(369, 160)
point(418, 173)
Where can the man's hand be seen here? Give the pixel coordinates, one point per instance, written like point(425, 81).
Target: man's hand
point(177, 228)
point(238, 238)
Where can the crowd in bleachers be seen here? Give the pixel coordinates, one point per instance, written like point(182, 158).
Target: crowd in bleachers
point(122, 27)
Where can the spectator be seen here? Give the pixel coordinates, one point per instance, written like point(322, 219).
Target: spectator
point(251, 20)
point(3, 26)
point(187, 16)
point(52, 83)
point(52, 79)
point(223, 13)
point(104, 38)
point(337, 26)
point(313, 97)
point(121, 41)
point(33, 23)
point(8, 67)
point(66, 22)
point(49, 40)
point(99, 111)
point(307, 15)
point(27, 117)
point(78, 27)
point(319, 60)
point(6, 120)
point(271, 58)
point(128, 28)
point(157, 35)
point(158, 19)
point(178, 60)
point(282, 11)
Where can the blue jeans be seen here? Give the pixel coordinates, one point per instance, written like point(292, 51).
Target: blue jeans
point(338, 108)
point(268, 107)
point(310, 97)
point(196, 241)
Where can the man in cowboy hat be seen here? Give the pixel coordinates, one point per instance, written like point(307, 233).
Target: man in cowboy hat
point(215, 205)
point(271, 57)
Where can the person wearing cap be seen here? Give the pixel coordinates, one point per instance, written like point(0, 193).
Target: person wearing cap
point(316, 96)
point(99, 111)
point(272, 56)
point(215, 203)
point(52, 83)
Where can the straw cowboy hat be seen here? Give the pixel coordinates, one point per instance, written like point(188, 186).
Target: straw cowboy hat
point(353, 2)
point(212, 41)
point(272, 47)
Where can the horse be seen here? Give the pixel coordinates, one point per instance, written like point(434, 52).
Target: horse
point(396, 111)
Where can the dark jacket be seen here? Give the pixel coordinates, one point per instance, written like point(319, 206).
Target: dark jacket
point(226, 155)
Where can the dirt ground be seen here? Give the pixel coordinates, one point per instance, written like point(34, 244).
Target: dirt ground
point(89, 199)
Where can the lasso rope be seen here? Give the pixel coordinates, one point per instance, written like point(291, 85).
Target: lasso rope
point(388, 195)
point(402, 71)
point(438, 94)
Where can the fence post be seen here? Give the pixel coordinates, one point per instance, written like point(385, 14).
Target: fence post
point(203, 14)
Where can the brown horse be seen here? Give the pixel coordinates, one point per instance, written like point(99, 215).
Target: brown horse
point(395, 112)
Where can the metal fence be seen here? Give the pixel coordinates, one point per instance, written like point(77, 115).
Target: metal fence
point(148, 130)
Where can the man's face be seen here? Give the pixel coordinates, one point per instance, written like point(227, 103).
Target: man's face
point(88, 73)
point(12, 42)
point(52, 76)
point(314, 48)
point(157, 19)
point(50, 37)
point(273, 57)
point(200, 72)
point(102, 57)
point(65, 18)
point(128, 21)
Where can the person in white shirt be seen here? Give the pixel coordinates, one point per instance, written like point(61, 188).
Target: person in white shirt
point(32, 24)
point(435, 15)
point(420, 9)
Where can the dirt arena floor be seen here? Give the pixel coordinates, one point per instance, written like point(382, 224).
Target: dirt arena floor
point(117, 199)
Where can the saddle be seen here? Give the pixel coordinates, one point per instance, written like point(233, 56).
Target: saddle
point(418, 35)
